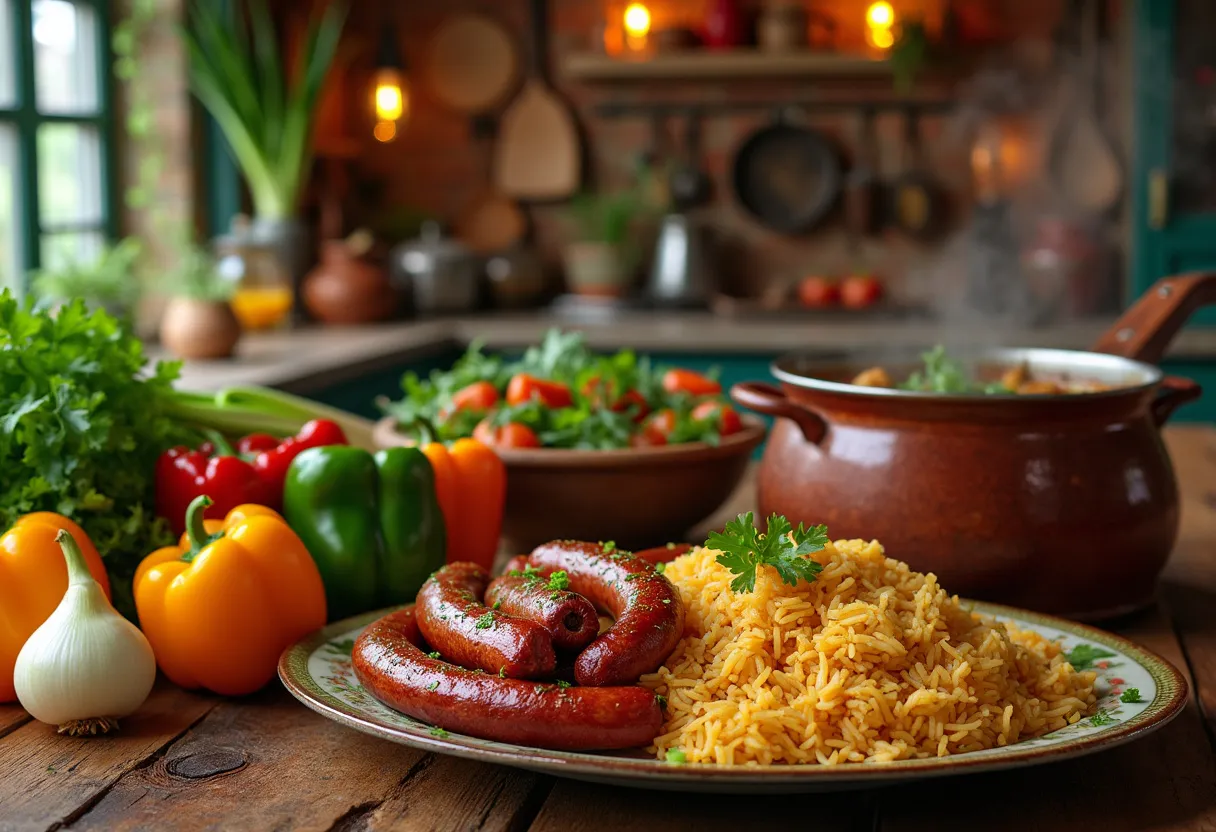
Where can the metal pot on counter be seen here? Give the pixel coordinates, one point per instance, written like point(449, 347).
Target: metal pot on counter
point(1065, 503)
point(440, 274)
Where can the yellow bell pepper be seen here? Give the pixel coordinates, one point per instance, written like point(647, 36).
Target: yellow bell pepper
point(33, 579)
point(221, 607)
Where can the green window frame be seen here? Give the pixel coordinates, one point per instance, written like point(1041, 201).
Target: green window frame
point(24, 120)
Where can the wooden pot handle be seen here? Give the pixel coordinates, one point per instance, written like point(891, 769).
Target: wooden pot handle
point(1172, 393)
point(1145, 331)
point(772, 401)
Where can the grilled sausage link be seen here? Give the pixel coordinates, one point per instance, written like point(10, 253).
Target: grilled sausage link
point(568, 617)
point(465, 631)
point(647, 608)
point(389, 662)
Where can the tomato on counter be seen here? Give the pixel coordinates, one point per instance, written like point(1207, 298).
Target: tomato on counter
point(859, 291)
point(818, 292)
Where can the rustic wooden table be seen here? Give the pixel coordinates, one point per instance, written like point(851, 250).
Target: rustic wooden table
point(190, 761)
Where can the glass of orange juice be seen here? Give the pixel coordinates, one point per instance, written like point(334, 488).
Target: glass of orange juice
point(263, 299)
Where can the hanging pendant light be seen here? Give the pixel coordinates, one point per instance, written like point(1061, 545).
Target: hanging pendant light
point(390, 87)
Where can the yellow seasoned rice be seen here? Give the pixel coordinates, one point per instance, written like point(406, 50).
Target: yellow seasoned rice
point(871, 662)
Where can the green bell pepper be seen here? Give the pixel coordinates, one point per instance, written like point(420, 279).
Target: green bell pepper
point(371, 522)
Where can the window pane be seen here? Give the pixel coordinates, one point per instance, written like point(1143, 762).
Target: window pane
point(65, 57)
point(8, 55)
point(69, 175)
point(59, 250)
point(10, 235)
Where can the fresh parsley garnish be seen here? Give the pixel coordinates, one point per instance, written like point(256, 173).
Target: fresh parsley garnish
point(563, 684)
point(498, 605)
point(502, 672)
point(434, 654)
point(675, 755)
point(1102, 717)
point(432, 686)
point(662, 700)
point(609, 546)
point(486, 621)
point(1131, 696)
point(660, 568)
point(781, 546)
point(1083, 656)
point(439, 732)
point(558, 581)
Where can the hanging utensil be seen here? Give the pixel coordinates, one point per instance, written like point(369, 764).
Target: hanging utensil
point(787, 176)
point(690, 184)
point(916, 199)
point(1083, 157)
point(538, 156)
point(861, 185)
point(493, 222)
point(472, 65)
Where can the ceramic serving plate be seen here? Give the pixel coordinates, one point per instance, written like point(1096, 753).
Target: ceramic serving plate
point(317, 671)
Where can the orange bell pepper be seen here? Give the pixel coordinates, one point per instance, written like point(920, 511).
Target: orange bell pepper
point(33, 580)
point(471, 484)
point(221, 607)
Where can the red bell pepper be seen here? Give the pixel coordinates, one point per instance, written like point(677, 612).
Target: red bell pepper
point(252, 472)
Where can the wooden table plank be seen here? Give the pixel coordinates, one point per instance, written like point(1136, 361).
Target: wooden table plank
point(12, 717)
point(47, 779)
point(266, 762)
point(449, 793)
point(591, 807)
point(1190, 582)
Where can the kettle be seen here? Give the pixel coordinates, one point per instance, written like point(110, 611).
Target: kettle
point(681, 274)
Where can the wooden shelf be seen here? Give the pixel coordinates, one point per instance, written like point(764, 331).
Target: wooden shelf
point(737, 64)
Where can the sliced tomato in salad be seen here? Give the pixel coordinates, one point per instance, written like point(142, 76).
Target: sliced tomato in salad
point(686, 381)
point(727, 417)
point(512, 435)
point(524, 388)
point(480, 395)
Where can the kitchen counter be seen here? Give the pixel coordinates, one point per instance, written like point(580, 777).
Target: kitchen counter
point(193, 761)
point(311, 357)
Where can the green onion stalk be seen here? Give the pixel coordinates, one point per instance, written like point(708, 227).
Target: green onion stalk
point(236, 411)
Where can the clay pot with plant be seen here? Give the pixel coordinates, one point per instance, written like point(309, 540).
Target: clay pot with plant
point(599, 260)
point(198, 321)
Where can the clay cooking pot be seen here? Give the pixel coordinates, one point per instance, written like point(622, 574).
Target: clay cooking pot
point(1063, 503)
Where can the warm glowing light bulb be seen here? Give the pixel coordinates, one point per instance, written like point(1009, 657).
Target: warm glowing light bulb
point(637, 20)
point(880, 15)
point(389, 96)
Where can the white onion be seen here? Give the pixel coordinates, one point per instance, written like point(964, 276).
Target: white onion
point(86, 666)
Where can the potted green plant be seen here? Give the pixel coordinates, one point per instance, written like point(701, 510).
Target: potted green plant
point(265, 113)
point(599, 259)
point(108, 282)
point(198, 321)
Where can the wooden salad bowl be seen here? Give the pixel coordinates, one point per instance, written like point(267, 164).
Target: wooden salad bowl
point(637, 497)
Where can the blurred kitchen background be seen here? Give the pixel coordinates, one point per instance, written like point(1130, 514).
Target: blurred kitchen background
point(724, 179)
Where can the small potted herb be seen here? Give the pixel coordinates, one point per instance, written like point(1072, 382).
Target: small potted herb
point(198, 321)
point(108, 282)
point(599, 260)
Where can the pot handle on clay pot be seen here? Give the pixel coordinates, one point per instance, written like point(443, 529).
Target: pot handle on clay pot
point(1145, 331)
point(772, 401)
point(1172, 393)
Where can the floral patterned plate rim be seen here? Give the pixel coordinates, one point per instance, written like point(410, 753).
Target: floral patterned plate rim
point(317, 671)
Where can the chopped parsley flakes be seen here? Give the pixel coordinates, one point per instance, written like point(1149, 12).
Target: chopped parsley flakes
point(558, 581)
point(675, 755)
point(1102, 718)
point(486, 621)
point(436, 731)
point(432, 686)
point(1083, 656)
point(1131, 696)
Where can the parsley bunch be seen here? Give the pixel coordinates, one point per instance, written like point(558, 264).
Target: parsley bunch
point(82, 426)
point(781, 546)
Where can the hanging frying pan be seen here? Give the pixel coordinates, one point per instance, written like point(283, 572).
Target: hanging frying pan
point(787, 176)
